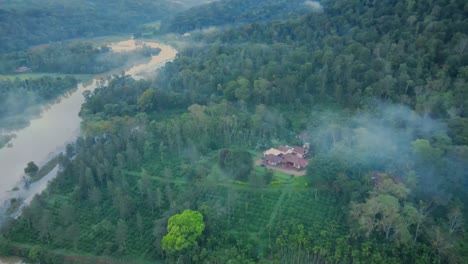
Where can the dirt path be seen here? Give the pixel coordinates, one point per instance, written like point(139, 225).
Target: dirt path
point(277, 207)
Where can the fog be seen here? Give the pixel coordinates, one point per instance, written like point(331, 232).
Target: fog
point(379, 139)
point(392, 139)
point(315, 6)
point(58, 125)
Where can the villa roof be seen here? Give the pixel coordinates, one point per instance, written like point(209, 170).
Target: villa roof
point(300, 150)
point(272, 151)
point(284, 149)
point(296, 160)
point(273, 158)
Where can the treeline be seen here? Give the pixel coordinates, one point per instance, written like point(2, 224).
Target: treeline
point(19, 99)
point(414, 55)
point(134, 170)
point(234, 12)
point(27, 23)
point(385, 184)
point(72, 58)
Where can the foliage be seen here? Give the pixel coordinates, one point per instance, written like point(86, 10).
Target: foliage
point(236, 163)
point(35, 254)
point(233, 12)
point(31, 168)
point(19, 99)
point(385, 184)
point(182, 231)
point(56, 58)
point(27, 23)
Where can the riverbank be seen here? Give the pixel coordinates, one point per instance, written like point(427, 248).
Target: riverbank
point(166, 54)
point(10, 260)
point(58, 125)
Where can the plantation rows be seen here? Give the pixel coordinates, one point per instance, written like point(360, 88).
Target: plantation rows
point(252, 210)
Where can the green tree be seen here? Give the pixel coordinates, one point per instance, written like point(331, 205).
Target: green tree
point(31, 168)
point(243, 89)
point(236, 163)
point(182, 231)
point(146, 101)
point(35, 254)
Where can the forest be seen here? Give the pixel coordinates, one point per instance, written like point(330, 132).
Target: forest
point(31, 22)
point(50, 74)
point(19, 99)
point(165, 170)
point(233, 12)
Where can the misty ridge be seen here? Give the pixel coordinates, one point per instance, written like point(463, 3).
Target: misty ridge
point(381, 139)
point(20, 99)
point(394, 139)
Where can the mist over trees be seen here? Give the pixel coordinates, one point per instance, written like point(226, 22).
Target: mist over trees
point(31, 22)
point(167, 169)
point(233, 13)
point(21, 99)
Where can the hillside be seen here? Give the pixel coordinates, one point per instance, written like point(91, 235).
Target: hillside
point(169, 169)
point(236, 12)
point(26, 23)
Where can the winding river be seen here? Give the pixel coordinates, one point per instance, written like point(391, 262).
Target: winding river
point(58, 125)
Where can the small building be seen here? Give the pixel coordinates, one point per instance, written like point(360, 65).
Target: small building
point(300, 151)
point(285, 149)
point(292, 161)
point(22, 69)
point(288, 157)
point(272, 160)
point(272, 151)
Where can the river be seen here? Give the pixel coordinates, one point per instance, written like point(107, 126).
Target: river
point(58, 125)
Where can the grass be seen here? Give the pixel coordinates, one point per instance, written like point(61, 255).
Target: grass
point(277, 175)
point(300, 182)
point(96, 41)
point(44, 170)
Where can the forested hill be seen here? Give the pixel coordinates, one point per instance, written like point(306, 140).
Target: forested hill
point(165, 170)
point(235, 12)
point(414, 54)
point(29, 22)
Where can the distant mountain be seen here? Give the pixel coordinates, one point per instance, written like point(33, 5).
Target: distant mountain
point(230, 12)
point(29, 22)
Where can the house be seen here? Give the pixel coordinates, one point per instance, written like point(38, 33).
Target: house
point(290, 160)
point(300, 151)
point(289, 157)
point(272, 151)
point(285, 149)
point(22, 69)
point(272, 160)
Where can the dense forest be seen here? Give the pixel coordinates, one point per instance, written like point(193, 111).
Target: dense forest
point(21, 96)
point(233, 12)
point(19, 99)
point(166, 168)
point(86, 58)
point(29, 22)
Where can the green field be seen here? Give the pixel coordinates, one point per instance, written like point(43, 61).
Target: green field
point(97, 41)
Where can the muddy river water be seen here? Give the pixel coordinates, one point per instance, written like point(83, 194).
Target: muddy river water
point(58, 125)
